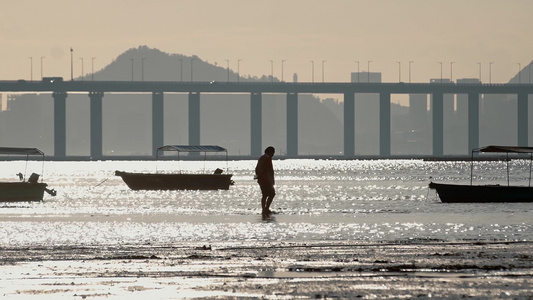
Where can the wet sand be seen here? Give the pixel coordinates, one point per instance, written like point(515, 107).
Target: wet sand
point(280, 270)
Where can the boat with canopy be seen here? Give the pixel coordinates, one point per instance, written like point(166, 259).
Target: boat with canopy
point(180, 181)
point(464, 193)
point(30, 189)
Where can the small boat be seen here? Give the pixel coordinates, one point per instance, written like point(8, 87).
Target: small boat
point(180, 181)
point(23, 190)
point(464, 193)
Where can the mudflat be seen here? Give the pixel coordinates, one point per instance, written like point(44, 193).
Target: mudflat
point(270, 270)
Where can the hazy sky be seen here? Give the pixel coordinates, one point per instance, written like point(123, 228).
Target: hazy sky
point(299, 31)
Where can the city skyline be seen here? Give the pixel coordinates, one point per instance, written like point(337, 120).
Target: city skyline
point(412, 39)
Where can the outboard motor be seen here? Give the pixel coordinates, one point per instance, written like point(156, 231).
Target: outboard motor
point(34, 178)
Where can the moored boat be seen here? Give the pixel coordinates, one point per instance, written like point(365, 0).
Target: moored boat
point(23, 190)
point(179, 181)
point(464, 193)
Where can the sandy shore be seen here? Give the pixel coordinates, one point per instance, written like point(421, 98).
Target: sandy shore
point(270, 271)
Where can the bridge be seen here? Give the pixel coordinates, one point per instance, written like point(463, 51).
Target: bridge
point(96, 89)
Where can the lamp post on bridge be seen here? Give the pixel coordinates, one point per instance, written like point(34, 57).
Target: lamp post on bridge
point(227, 61)
point(192, 59)
point(440, 62)
point(490, 72)
point(519, 78)
point(131, 69)
point(451, 71)
point(479, 71)
point(71, 64)
point(357, 70)
point(238, 70)
point(42, 57)
point(312, 71)
point(31, 68)
point(81, 58)
point(323, 70)
point(368, 65)
point(92, 68)
point(271, 70)
point(410, 70)
point(181, 69)
point(142, 68)
point(282, 61)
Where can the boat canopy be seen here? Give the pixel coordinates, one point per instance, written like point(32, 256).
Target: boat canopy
point(504, 149)
point(20, 151)
point(182, 148)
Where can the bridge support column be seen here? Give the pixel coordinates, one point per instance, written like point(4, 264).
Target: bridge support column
point(385, 125)
point(96, 124)
point(60, 124)
point(255, 124)
point(157, 121)
point(194, 118)
point(473, 121)
point(438, 124)
point(349, 124)
point(292, 124)
point(522, 119)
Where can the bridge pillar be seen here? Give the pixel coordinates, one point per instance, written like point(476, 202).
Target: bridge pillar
point(194, 118)
point(522, 119)
point(349, 124)
point(292, 124)
point(255, 124)
point(157, 121)
point(384, 124)
point(473, 121)
point(60, 124)
point(96, 124)
point(438, 124)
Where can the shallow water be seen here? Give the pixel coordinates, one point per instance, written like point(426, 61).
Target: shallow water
point(317, 201)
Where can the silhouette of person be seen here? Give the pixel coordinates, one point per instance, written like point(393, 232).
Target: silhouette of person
point(264, 172)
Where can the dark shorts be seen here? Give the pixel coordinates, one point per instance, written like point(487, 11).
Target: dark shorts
point(267, 189)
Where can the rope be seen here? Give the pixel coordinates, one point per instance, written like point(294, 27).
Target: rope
point(101, 182)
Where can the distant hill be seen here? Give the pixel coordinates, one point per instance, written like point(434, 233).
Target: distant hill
point(225, 119)
point(161, 66)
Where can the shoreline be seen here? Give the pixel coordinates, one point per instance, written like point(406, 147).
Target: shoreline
point(272, 270)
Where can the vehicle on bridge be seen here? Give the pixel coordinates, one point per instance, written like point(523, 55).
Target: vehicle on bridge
point(52, 79)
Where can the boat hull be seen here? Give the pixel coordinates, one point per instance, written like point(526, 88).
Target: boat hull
point(457, 193)
point(150, 181)
point(21, 191)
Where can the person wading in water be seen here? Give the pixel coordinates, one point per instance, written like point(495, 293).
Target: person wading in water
point(264, 172)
